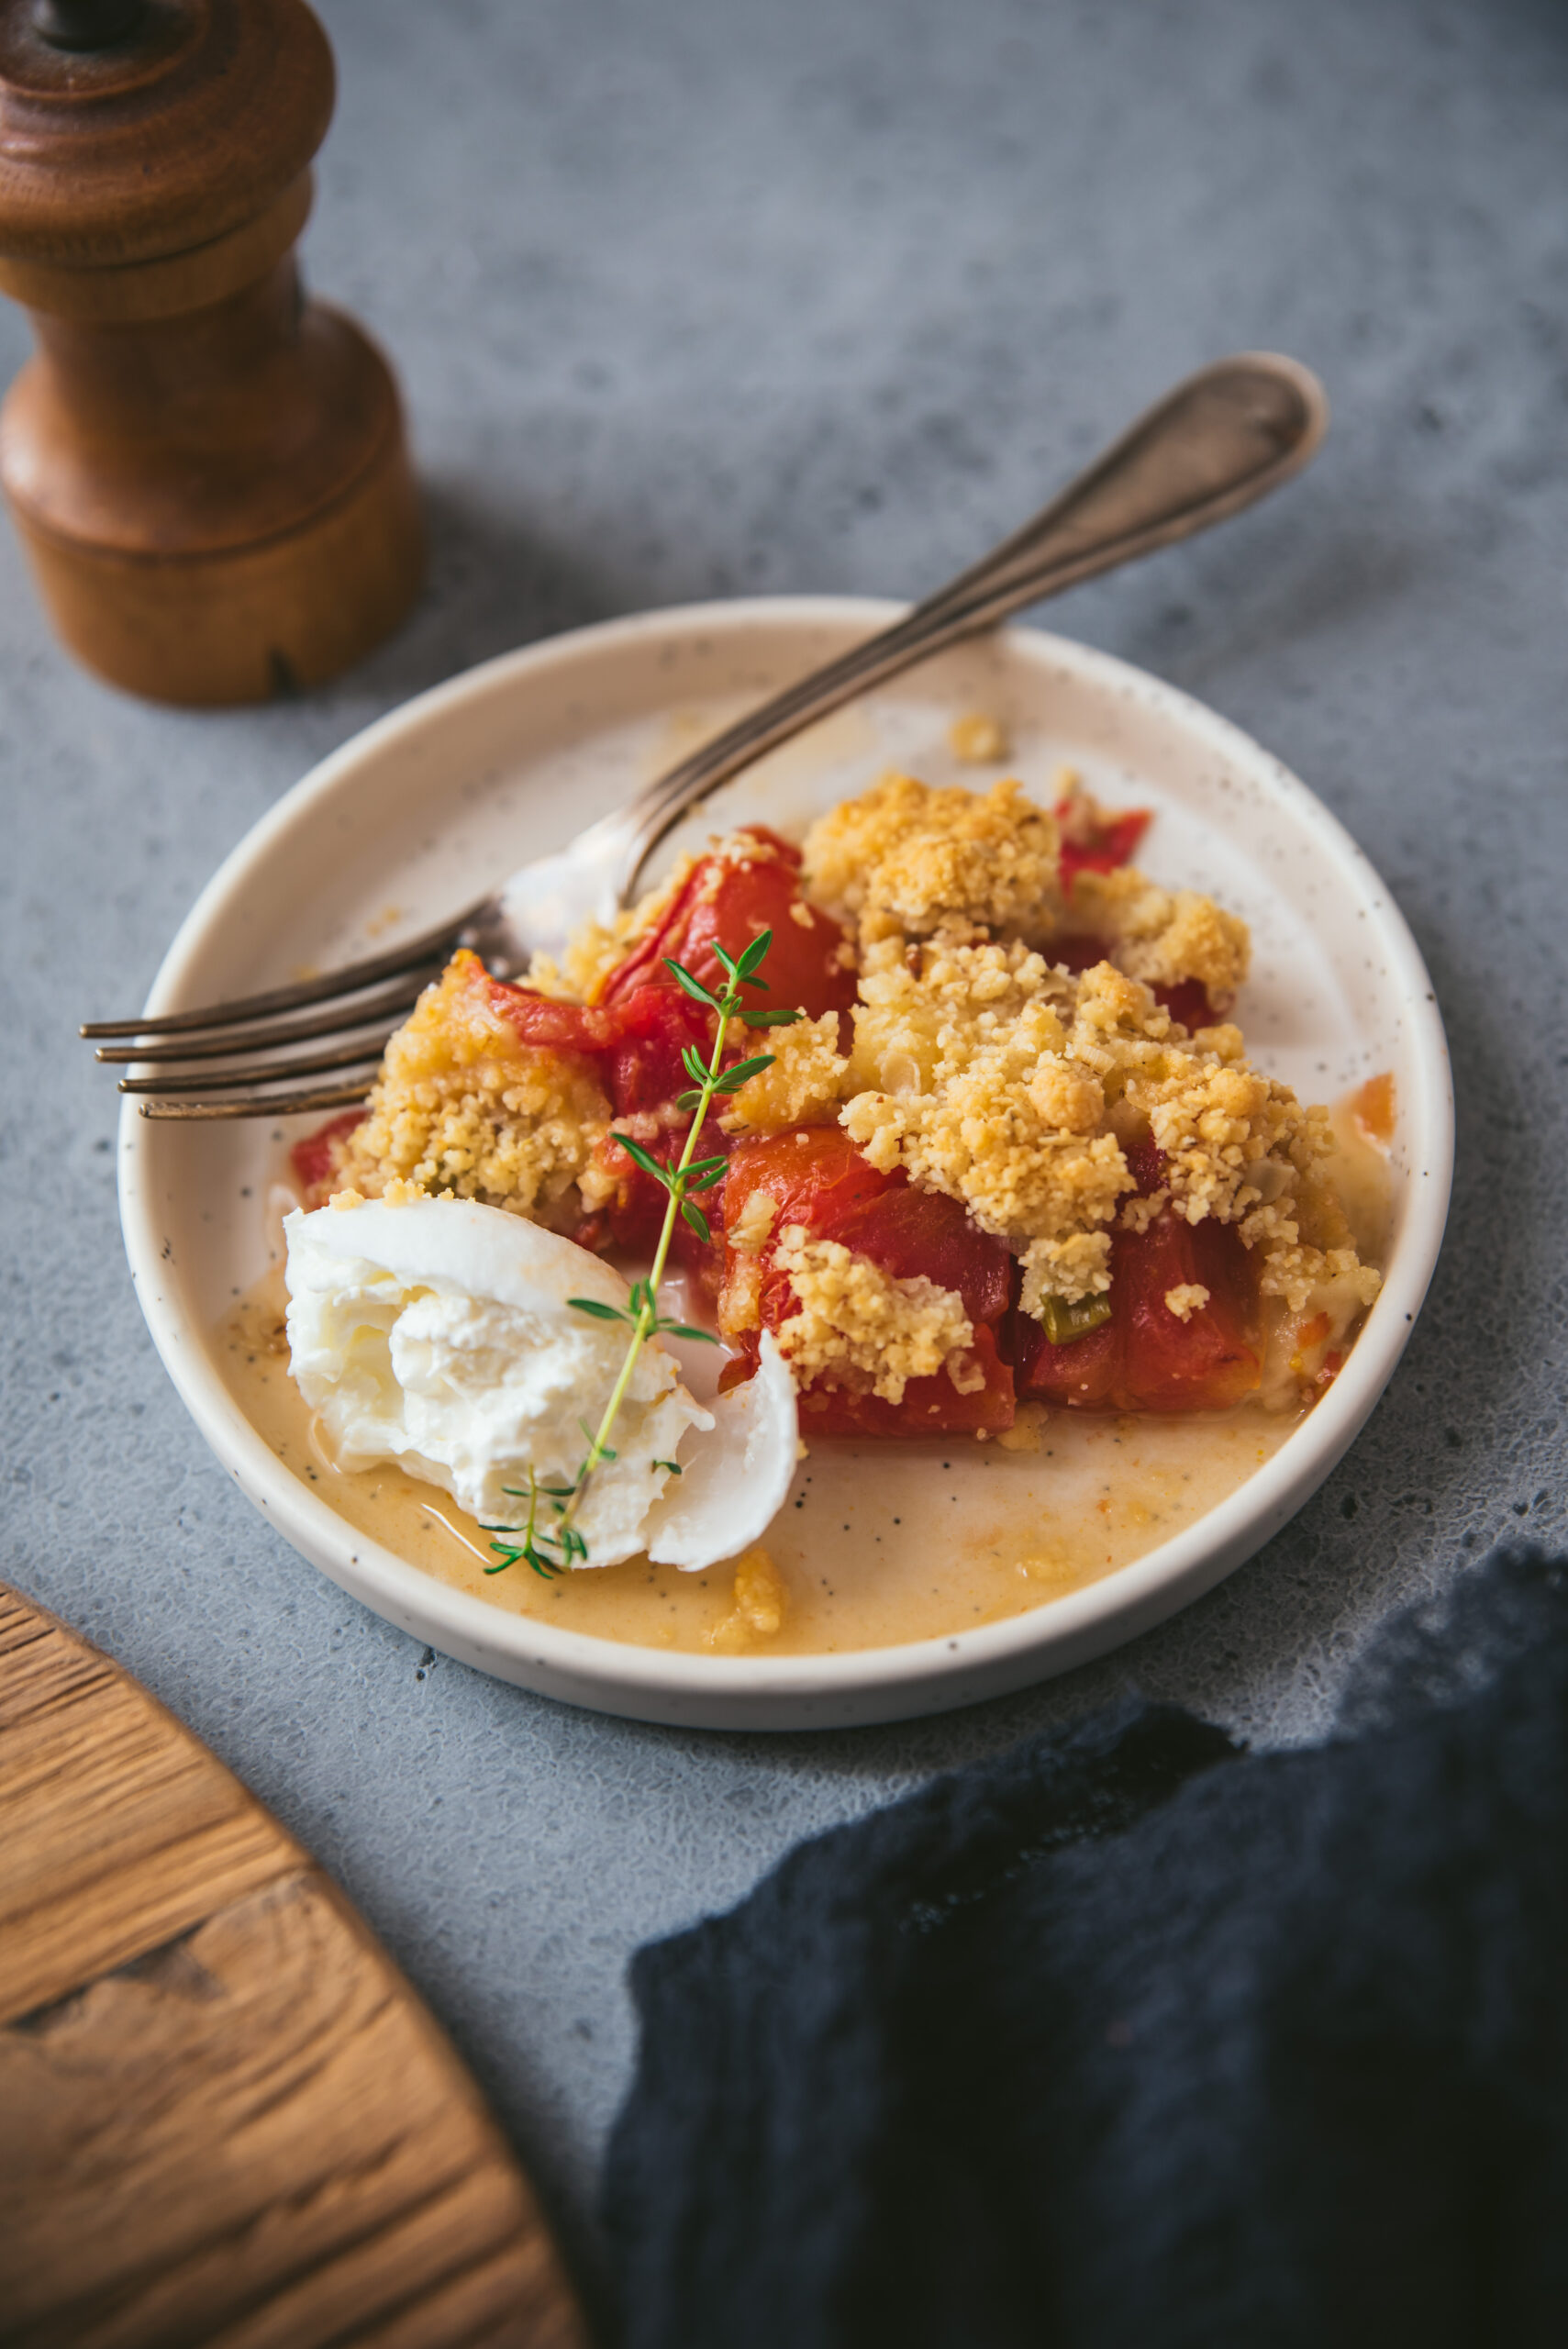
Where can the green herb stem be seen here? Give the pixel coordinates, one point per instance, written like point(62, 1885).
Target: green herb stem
point(686, 1175)
point(648, 1308)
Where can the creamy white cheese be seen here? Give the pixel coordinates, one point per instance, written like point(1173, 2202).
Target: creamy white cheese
point(438, 1334)
point(734, 1481)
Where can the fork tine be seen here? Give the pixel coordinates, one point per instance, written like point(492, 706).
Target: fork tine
point(285, 1105)
point(427, 948)
point(282, 1031)
point(269, 1073)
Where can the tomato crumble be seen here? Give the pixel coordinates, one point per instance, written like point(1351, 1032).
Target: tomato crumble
point(1012, 1150)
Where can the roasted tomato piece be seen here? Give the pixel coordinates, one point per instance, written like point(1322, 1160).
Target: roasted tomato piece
point(1094, 840)
point(637, 1038)
point(725, 902)
point(635, 1214)
point(929, 1406)
point(817, 1179)
point(1215, 1357)
point(312, 1158)
point(645, 1070)
point(539, 1020)
point(1145, 1358)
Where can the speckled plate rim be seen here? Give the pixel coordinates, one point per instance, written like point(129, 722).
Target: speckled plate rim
point(867, 1685)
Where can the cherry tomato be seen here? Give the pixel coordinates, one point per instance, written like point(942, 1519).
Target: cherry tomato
point(723, 903)
point(817, 1179)
point(1144, 1358)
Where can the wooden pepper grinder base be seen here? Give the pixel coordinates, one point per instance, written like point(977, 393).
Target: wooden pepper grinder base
point(209, 474)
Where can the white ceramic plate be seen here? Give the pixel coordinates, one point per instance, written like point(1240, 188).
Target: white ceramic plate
point(438, 801)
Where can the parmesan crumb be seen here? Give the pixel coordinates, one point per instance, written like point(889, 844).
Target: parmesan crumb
point(860, 1328)
point(911, 862)
point(462, 1106)
point(978, 740)
point(1011, 1086)
point(761, 1605)
point(1163, 936)
point(751, 1228)
point(1188, 1298)
point(803, 1087)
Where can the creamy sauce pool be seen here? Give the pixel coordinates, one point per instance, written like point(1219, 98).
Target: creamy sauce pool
point(876, 1545)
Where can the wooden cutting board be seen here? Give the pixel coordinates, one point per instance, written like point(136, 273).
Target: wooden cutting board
point(225, 2118)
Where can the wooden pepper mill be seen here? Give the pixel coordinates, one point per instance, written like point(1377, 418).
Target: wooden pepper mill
point(209, 474)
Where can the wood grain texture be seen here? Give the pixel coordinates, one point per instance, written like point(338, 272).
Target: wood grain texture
point(184, 130)
point(209, 473)
point(225, 2119)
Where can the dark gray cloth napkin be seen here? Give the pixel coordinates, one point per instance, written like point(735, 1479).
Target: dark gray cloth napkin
point(1133, 2038)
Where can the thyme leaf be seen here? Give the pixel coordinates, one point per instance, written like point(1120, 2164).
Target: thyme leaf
point(549, 1549)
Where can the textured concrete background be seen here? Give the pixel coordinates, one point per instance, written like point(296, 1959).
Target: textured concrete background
point(696, 297)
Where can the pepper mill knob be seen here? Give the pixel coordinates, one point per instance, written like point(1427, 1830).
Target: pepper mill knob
point(209, 474)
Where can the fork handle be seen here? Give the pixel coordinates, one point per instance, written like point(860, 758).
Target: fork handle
point(1222, 439)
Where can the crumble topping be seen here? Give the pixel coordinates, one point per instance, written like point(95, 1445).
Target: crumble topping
point(761, 1604)
point(973, 1061)
point(1162, 936)
point(1013, 1087)
point(978, 740)
point(906, 861)
point(802, 1088)
point(464, 1105)
point(753, 1226)
point(860, 1328)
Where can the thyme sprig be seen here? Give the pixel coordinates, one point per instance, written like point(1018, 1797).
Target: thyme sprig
point(548, 1548)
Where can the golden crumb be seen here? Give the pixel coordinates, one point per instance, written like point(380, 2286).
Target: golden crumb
point(859, 1328)
point(399, 1194)
point(908, 861)
point(1185, 1299)
point(761, 1602)
point(1162, 936)
point(803, 1086)
point(1011, 1085)
point(464, 1105)
point(977, 740)
point(753, 1226)
point(350, 1198)
point(1002, 1118)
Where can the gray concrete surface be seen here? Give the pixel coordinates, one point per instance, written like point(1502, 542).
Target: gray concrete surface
point(699, 298)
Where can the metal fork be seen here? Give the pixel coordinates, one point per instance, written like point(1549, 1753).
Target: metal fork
point(1210, 446)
